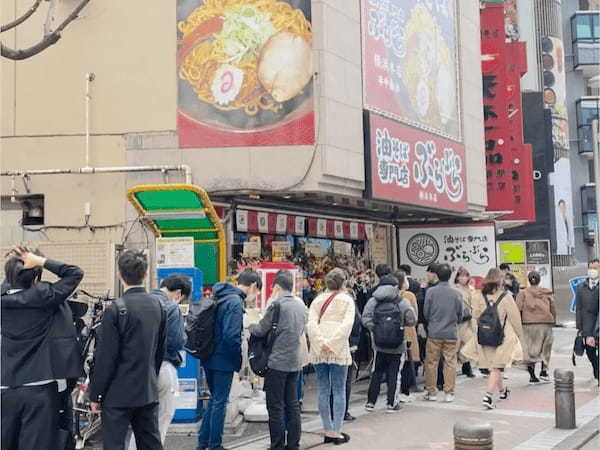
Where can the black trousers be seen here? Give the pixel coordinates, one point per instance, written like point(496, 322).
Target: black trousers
point(144, 423)
point(388, 364)
point(30, 416)
point(282, 396)
point(592, 354)
point(409, 376)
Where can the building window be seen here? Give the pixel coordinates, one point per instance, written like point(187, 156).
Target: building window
point(588, 211)
point(585, 27)
point(31, 208)
point(588, 110)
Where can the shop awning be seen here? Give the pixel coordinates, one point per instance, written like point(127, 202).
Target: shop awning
point(182, 210)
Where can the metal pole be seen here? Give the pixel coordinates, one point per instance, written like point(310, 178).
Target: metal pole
point(89, 77)
point(473, 436)
point(596, 149)
point(564, 399)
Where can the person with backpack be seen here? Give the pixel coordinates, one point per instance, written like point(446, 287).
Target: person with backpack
point(499, 334)
point(538, 316)
point(130, 348)
point(385, 315)
point(221, 352)
point(286, 316)
point(330, 321)
point(586, 313)
point(36, 323)
point(443, 311)
point(173, 290)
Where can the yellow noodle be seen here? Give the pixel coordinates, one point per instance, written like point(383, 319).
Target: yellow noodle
point(200, 65)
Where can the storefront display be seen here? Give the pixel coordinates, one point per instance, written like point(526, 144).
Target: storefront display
point(525, 256)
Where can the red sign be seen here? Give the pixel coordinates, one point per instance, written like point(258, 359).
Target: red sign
point(245, 73)
point(410, 63)
point(412, 166)
point(509, 164)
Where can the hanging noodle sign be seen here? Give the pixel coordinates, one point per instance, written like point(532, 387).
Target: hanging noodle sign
point(245, 73)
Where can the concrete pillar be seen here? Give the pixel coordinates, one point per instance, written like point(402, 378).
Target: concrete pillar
point(564, 399)
point(473, 436)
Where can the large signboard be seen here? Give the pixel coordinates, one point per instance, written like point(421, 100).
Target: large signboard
point(245, 73)
point(410, 63)
point(472, 246)
point(412, 166)
point(525, 256)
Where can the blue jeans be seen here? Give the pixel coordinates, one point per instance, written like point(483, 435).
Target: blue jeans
point(211, 431)
point(332, 382)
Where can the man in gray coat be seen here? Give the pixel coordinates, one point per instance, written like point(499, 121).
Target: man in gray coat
point(442, 311)
point(284, 362)
point(387, 307)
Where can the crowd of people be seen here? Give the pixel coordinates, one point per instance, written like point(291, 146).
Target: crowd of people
point(434, 327)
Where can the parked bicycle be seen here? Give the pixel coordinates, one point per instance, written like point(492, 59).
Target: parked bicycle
point(87, 310)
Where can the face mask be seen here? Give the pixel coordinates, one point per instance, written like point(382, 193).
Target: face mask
point(593, 274)
point(405, 286)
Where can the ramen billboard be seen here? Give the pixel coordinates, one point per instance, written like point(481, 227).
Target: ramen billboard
point(245, 73)
point(410, 63)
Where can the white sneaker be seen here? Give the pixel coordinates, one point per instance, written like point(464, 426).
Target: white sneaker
point(449, 398)
point(430, 397)
point(403, 398)
point(370, 407)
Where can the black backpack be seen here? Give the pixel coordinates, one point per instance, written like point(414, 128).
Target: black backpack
point(259, 348)
point(490, 331)
point(388, 332)
point(200, 330)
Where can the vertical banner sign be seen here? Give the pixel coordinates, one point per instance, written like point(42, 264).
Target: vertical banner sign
point(244, 73)
point(410, 63)
point(553, 66)
point(412, 166)
point(509, 161)
point(470, 246)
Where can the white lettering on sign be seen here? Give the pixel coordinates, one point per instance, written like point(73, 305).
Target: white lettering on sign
point(443, 173)
point(393, 156)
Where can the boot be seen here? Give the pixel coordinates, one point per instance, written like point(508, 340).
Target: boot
point(532, 378)
point(467, 370)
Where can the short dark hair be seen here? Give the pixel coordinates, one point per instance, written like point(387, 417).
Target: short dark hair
point(534, 278)
point(17, 276)
point(285, 280)
point(382, 270)
point(561, 202)
point(504, 266)
point(405, 268)
point(433, 268)
point(444, 272)
point(594, 261)
point(401, 276)
point(249, 277)
point(177, 281)
point(335, 278)
point(133, 266)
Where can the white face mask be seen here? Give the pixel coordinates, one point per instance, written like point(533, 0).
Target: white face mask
point(593, 274)
point(405, 286)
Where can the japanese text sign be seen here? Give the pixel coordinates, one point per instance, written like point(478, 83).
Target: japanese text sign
point(412, 166)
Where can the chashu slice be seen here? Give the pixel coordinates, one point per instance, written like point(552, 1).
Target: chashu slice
point(285, 65)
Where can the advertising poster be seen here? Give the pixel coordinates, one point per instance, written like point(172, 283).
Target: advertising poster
point(244, 73)
point(175, 252)
point(412, 166)
point(526, 256)
point(563, 207)
point(472, 246)
point(410, 63)
point(187, 397)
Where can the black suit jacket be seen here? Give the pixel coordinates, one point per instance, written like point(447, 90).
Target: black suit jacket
point(39, 340)
point(126, 366)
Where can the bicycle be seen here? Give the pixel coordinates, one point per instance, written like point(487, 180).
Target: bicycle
point(88, 318)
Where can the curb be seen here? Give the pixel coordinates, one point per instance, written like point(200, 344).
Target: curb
point(581, 437)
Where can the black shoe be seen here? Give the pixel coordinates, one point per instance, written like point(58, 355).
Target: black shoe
point(202, 447)
point(504, 393)
point(534, 380)
point(349, 417)
point(337, 441)
point(467, 370)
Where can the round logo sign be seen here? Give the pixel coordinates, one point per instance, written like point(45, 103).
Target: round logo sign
point(422, 249)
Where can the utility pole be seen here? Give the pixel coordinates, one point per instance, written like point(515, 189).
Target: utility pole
point(596, 148)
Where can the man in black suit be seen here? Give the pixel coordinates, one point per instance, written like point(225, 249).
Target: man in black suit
point(129, 353)
point(39, 350)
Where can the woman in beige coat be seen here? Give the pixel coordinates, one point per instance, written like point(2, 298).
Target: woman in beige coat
point(496, 358)
point(465, 329)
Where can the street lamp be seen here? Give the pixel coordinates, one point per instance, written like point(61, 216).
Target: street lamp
point(596, 149)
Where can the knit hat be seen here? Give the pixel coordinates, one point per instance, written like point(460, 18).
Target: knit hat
point(388, 280)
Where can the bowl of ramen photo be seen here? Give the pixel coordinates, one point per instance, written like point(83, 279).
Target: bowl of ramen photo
point(244, 65)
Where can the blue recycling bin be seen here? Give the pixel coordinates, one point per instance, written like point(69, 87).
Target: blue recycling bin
point(189, 409)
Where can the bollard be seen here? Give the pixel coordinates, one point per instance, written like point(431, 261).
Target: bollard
point(564, 399)
point(469, 436)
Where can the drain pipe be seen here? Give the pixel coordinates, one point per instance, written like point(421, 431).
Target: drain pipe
point(187, 171)
point(89, 77)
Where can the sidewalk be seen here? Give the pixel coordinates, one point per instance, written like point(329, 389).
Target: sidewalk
point(525, 421)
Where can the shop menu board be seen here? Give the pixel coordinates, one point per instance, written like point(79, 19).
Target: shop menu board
point(175, 252)
point(525, 256)
point(244, 73)
point(410, 63)
point(411, 166)
point(472, 246)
